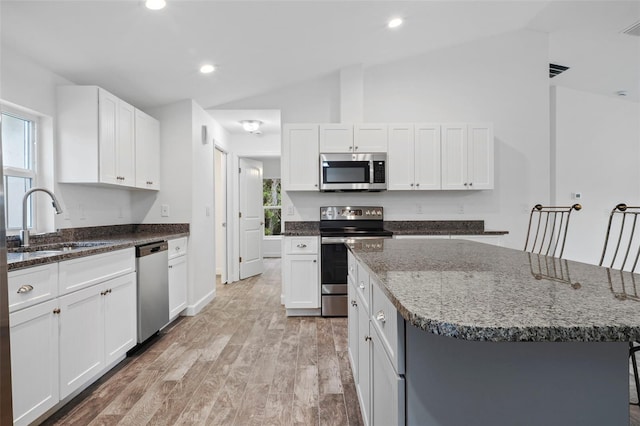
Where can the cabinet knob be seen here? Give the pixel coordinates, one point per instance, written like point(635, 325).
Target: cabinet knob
point(170, 267)
point(380, 317)
point(25, 289)
point(316, 185)
point(56, 311)
point(470, 183)
point(417, 184)
point(361, 286)
point(411, 184)
point(315, 261)
point(356, 148)
point(367, 338)
point(466, 184)
point(103, 293)
point(350, 148)
point(354, 303)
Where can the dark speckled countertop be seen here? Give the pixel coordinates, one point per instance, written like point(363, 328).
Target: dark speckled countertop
point(73, 243)
point(476, 291)
point(408, 227)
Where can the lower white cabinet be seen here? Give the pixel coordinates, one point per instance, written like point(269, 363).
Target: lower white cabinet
point(98, 325)
point(34, 361)
point(374, 350)
point(177, 286)
point(178, 275)
point(300, 275)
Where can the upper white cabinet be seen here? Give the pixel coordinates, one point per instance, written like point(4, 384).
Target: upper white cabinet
point(467, 156)
point(414, 156)
point(345, 138)
point(300, 157)
point(147, 151)
point(97, 138)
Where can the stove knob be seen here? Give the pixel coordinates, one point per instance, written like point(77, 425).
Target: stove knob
point(367, 213)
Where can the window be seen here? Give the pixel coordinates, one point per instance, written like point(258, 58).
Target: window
point(18, 156)
point(272, 206)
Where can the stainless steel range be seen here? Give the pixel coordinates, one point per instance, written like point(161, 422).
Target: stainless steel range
point(341, 225)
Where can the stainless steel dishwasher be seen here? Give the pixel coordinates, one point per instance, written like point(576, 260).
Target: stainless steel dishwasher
point(153, 288)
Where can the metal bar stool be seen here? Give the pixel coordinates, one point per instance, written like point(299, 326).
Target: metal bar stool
point(547, 231)
point(621, 251)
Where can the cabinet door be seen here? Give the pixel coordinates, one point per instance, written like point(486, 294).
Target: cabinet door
point(108, 137)
point(480, 157)
point(353, 330)
point(177, 286)
point(81, 338)
point(454, 156)
point(147, 156)
point(125, 145)
point(302, 289)
point(401, 157)
point(120, 310)
point(364, 362)
point(387, 388)
point(427, 156)
point(370, 138)
point(300, 157)
point(34, 361)
point(336, 138)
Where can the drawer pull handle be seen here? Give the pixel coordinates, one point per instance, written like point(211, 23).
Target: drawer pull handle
point(380, 317)
point(354, 303)
point(301, 245)
point(25, 289)
point(361, 286)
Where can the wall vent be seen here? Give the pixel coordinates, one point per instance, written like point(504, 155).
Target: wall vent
point(555, 69)
point(633, 30)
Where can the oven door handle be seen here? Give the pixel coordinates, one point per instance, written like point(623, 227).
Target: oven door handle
point(342, 240)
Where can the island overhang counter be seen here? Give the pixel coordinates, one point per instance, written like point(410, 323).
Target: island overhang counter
point(499, 336)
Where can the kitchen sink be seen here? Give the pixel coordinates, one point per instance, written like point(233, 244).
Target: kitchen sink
point(59, 248)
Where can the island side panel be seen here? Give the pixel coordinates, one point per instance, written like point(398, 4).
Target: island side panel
point(456, 382)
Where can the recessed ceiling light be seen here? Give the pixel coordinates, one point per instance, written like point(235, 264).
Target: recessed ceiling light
point(155, 4)
point(207, 69)
point(394, 23)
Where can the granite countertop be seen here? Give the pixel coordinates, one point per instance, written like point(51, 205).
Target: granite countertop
point(67, 245)
point(408, 227)
point(474, 291)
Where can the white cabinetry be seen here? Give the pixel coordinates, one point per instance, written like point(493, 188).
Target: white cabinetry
point(34, 361)
point(120, 317)
point(147, 151)
point(347, 138)
point(300, 275)
point(300, 157)
point(467, 156)
point(177, 276)
point(414, 156)
point(376, 349)
point(97, 137)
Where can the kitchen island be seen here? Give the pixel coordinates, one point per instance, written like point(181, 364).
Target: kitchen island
point(488, 335)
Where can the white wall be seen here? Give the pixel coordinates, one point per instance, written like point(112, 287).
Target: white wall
point(28, 85)
point(502, 79)
point(187, 187)
point(597, 152)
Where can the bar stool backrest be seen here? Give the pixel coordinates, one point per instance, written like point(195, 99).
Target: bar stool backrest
point(622, 242)
point(547, 231)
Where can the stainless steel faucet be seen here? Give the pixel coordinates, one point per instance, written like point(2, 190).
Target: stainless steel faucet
point(24, 233)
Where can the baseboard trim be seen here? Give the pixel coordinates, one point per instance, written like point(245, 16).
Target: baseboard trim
point(194, 309)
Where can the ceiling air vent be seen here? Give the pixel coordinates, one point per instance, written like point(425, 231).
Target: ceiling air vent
point(555, 69)
point(633, 30)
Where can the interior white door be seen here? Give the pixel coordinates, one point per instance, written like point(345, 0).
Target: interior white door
point(251, 218)
point(221, 214)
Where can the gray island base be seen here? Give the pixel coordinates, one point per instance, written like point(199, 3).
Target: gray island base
point(496, 336)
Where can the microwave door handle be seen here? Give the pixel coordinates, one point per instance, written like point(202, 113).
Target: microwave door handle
point(372, 171)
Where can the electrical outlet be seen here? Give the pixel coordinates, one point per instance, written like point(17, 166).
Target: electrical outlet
point(461, 209)
point(290, 211)
point(419, 208)
point(164, 210)
point(576, 195)
point(207, 210)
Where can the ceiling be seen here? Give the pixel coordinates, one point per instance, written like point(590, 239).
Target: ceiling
point(151, 58)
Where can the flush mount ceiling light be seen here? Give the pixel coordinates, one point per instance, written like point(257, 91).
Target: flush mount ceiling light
point(251, 126)
point(394, 23)
point(207, 69)
point(622, 93)
point(155, 4)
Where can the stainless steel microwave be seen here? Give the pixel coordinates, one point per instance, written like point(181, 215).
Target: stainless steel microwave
point(353, 172)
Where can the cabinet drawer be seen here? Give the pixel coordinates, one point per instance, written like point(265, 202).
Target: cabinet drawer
point(32, 285)
point(86, 271)
point(177, 247)
point(363, 286)
point(301, 245)
point(390, 326)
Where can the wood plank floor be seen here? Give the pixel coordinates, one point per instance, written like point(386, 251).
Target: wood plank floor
point(239, 362)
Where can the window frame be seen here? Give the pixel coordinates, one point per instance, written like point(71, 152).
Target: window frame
point(30, 173)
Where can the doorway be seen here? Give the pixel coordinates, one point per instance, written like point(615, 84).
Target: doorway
point(222, 258)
